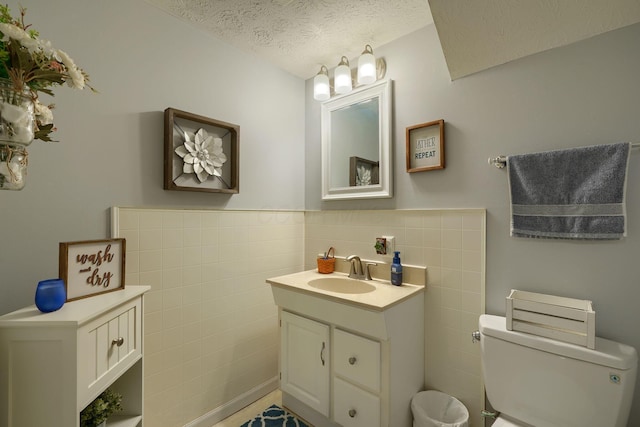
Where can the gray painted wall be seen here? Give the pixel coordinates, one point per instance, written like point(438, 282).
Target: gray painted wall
point(583, 94)
point(142, 61)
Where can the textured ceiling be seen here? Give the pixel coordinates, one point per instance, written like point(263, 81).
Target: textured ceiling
point(301, 35)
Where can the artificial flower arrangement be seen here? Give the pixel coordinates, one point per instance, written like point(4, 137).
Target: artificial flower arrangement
point(101, 408)
point(33, 66)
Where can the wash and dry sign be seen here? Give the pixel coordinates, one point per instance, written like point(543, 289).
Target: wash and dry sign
point(92, 267)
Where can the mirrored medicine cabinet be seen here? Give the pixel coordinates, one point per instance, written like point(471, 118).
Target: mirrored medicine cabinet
point(356, 144)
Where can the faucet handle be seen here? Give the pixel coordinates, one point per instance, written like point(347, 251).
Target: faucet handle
point(367, 271)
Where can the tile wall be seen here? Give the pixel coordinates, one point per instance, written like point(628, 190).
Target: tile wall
point(451, 244)
point(211, 325)
point(211, 334)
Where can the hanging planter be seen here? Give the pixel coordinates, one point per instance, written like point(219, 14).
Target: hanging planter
point(13, 167)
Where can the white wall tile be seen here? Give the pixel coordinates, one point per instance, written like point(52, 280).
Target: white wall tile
point(452, 248)
point(211, 306)
point(150, 260)
point(150, 239)
point(208, 299)
point(452, 239)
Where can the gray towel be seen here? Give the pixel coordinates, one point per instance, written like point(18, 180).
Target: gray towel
point(577, 193)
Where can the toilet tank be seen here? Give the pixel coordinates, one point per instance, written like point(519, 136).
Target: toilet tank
point(549, 383)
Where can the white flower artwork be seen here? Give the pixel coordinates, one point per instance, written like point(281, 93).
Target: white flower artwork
point(363, 177)
point(203, 156)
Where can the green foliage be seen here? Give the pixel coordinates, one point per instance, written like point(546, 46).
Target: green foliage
point(101, 408)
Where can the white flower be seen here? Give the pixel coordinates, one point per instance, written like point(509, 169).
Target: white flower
point(363, 177)
point(44, 113)
point(48, 49)
point(10, 31)
point(204, 157)
point(77, 79)
point(217, 155)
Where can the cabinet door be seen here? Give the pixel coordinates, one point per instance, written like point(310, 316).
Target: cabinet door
point(304, 350)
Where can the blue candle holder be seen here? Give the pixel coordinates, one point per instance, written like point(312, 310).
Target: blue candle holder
point(50, 295)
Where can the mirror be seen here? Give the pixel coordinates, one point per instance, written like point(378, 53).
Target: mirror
point(356, 144)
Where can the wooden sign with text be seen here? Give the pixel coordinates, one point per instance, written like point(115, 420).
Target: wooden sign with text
point(425, 146)
point(92, 267)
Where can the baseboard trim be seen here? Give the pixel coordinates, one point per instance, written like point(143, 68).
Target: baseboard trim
point(234, 405)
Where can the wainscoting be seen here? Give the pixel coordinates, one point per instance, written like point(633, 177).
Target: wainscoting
point(451, 244)
point(211, 335)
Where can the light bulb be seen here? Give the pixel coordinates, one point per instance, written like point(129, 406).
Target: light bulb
point(342, 76)
point(367, 66)
point(321, 89)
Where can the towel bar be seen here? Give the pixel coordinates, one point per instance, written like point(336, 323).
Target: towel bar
point(501, 161)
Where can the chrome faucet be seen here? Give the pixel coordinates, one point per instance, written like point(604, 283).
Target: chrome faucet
point(358, 269)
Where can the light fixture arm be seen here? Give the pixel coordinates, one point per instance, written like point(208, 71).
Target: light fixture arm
point(324, 70)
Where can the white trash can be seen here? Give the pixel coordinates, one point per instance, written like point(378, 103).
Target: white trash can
point(432, 408)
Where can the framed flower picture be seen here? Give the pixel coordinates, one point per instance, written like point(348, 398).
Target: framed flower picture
point(201, 154)
point(363, 172)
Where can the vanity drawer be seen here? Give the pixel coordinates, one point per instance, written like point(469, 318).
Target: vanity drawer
point(108, 345)
point(357, 359)
point(354, 407)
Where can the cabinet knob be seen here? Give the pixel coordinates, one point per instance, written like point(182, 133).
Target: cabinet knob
point(118, 342)
point(352, 413)
point(352, 360)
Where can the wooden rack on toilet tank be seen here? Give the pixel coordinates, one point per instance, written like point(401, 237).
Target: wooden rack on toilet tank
point(563, 319)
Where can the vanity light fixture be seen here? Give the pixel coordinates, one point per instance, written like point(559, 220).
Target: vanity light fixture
point(321, 89)
point(367, 67)
point(369, 71)
point(342, 77)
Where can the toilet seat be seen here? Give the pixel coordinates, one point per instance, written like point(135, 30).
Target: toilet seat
point(503, 421)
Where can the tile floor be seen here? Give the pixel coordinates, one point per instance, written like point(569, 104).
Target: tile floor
point(248, 413)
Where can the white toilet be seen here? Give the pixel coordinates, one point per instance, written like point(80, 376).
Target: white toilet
point(536, 381)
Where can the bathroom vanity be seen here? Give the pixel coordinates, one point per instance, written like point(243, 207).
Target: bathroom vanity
point(52, 365)
point(352, 351)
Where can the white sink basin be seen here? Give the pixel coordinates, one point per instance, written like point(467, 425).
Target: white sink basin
point(342, 285)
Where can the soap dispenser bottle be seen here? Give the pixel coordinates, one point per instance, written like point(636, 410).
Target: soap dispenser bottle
point(396, 269)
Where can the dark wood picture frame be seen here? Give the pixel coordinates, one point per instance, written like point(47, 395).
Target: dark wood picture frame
point(373, 166)
point(176, 123)
point(92, 267)
point(425, 146)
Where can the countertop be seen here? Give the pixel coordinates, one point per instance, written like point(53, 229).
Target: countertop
point(383, 297)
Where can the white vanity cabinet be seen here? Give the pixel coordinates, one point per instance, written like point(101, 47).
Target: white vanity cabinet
point(52, 365)
point(350, 364)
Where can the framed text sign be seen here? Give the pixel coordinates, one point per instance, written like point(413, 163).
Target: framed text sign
point(92, 267)
point(425, 146)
